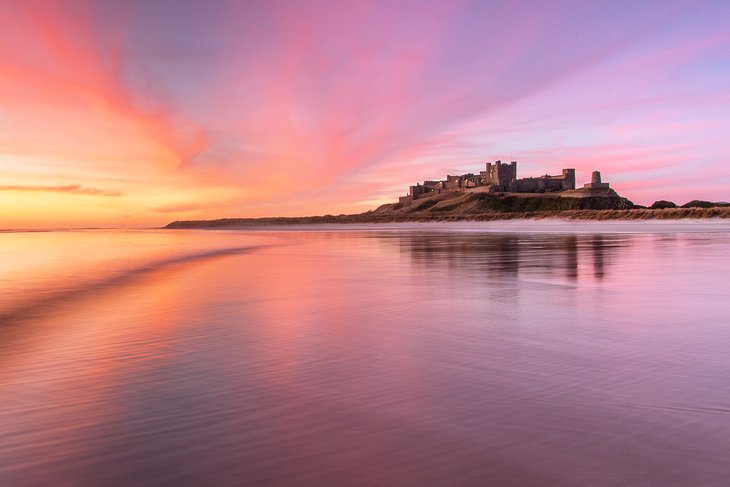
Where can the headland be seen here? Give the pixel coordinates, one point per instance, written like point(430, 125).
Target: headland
point(497, 194)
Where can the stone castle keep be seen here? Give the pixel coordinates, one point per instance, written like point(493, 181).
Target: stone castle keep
point(500, 178)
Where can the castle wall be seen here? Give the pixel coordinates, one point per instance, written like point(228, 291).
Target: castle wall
point(541, 184)
point(534, 185)
point(481, 189)
point(453, 183)
point(498, 177)
point(416, 191)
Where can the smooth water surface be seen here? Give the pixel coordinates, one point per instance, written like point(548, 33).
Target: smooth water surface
point(517, 353)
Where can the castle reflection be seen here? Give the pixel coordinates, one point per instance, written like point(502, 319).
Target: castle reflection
point(569, 257)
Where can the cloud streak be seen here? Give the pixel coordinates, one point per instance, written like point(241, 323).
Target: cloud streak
point(75, 189)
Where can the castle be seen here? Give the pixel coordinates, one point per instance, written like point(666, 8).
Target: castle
point(499, 178)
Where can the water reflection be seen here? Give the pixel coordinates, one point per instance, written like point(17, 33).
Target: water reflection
point(373, 358)
point(568, 257)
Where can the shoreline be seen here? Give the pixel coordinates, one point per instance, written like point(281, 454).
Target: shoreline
point(582, 215)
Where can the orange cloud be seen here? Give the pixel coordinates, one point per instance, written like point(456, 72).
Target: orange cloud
point(69, 188)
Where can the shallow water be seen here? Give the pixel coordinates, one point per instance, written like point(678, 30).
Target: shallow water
point(444, 354)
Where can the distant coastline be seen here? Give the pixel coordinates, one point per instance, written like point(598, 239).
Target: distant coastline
point(497, 194)
point(370, 217)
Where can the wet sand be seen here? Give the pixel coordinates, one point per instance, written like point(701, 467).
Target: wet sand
point(412, 356)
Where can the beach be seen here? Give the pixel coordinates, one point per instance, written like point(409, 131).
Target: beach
point(467, 353)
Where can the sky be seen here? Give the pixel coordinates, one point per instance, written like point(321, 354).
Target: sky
point(138, 113)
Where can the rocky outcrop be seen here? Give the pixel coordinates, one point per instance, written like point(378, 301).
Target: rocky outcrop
point(705, 204)
point(476, 203)
point(662, 204)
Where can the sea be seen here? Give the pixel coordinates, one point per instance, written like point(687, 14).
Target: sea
point(492, 353)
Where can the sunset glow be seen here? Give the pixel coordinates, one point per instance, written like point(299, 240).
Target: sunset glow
point(140, 113)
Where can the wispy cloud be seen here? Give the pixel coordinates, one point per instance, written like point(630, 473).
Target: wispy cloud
point(66, 188)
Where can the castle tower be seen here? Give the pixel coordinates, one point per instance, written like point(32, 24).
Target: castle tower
point(491, 175)
point(596, 182)
point(500, 175)
point(568, 179)
point(508, 176)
